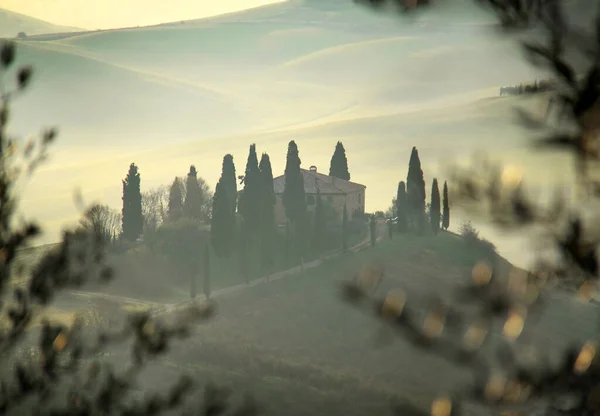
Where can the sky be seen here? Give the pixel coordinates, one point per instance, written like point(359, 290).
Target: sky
point(110, 14)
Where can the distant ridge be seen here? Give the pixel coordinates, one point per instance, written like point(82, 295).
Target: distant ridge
point(11, 23)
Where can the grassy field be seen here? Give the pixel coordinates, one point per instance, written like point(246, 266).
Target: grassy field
point(296, 346)
point(299, 349)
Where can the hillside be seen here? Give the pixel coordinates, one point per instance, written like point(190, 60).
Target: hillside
point(316, 72)
point(12, 23)
point(297, 346)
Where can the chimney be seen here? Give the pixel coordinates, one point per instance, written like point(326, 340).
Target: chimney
point(313, 168)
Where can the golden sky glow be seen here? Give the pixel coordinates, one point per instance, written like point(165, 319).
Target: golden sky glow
point(108, 14)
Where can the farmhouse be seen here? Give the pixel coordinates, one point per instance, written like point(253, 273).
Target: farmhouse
point(334, 191)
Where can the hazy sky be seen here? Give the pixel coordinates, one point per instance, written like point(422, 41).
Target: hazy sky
point(105, 14)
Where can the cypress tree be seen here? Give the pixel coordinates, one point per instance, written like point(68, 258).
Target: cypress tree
point(319, 226)
point(268, 227)
point(345, 230)
point(415, 187)
point(339, 164)
point(133, 221)
point(194, 200)
point(434, 210)
point(401, 207)
point(229, 182)
point(175, 208)
point(250, 200)
point(446, 209)
point(372, 229)
point(206, 280)
point(223, 221)
point(294, 200)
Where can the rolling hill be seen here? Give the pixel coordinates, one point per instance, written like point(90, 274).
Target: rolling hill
point(12, 23)
point(171, 95)
point(295, 345)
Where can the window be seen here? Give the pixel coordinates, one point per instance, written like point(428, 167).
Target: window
point(310, 200)
point(360, 198)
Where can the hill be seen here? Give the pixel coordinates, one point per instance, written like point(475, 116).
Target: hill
point(11, 24)
point(172, 95)
point(295, 345)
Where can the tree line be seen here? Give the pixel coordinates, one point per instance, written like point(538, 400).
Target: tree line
point(239, 218)
point(409, 207)
point(536, 87)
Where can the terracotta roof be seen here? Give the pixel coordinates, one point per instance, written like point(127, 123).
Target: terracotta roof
point(327, 184)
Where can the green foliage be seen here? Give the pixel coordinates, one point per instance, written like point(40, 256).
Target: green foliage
point(223, 221)
point(222, 226)
point(434, 210)
point(401, 207)
point(133, 220)
point(294, 200)
point(415, 186)
point(476, 244)
point(179, 241)
point(229, 181)
point(268, 227)
point(175, 208)
point(339, 164)
point(446, 208)
point(194, 197)
point(249, 205)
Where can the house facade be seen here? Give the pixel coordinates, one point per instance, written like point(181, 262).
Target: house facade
point(334, 191)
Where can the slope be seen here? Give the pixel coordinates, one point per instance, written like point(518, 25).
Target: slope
point(296, 346)
point(302, 348)
point(12, 23)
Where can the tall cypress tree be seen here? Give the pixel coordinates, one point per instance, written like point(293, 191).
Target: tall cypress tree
point(223, 221)
point(294, 200)
point(294, 197)
point(319, 226)
point(415, 187)
point(339, 164)
point(401, 207)
point(175, 208)
point(229, 182)
point(194, 200)
point(446, 210)
point(133, 221)
point(434, 210)
point(268, 227)
point(250, 200)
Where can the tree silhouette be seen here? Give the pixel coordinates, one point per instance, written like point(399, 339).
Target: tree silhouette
point(446, 208)
point(133, 221)
point(268, 227)
point(402, 207)
point(434, 210)
point(249, 205)
point(175, 208)
point(339, 164)
point(415, 188)
point(194, 198)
